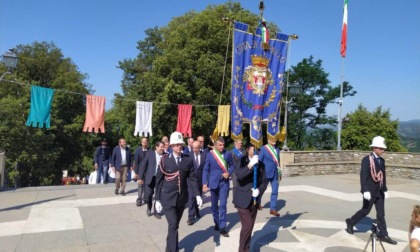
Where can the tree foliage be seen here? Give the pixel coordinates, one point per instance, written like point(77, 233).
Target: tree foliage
point(361, 126)
point(308, 109)
point(36, 155)
point(182, 63)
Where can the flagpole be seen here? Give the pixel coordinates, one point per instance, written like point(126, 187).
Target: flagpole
point(229, 21)
point(340, 105)
point(343, 49)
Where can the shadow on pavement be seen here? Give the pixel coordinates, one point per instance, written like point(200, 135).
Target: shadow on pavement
point(33, 203)
point(189, 242)
point(270, 230)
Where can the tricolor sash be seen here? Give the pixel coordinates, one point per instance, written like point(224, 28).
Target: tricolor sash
point(220, 160)
point(272, 153)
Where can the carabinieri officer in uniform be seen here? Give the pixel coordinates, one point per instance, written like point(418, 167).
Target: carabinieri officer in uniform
point(172, 188)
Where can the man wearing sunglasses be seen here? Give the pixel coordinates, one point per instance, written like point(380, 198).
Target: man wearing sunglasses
point(374, 189)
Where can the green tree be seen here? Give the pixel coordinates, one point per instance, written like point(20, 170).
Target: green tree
point(321, 139)
point(308, 109)
point(181, 63)
point(361, 126)
point(40, 155)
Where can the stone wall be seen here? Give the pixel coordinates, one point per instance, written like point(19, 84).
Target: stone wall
point(306, 163)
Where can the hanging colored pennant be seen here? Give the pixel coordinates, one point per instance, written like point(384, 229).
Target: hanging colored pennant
point(222, 125)
point(95, 114)
point(41, 101)
point(184, 119)
point(144, 111)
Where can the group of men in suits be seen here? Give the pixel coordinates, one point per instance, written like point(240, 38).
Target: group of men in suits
point(178, 175)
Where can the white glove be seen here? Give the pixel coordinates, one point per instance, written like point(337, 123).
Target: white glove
point(366, 195)
point(158, 207)
point(199, 201)
point(386, 195)
point(255, 192)
point(253, 161)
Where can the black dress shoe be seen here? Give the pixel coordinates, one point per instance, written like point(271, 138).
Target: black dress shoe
point(216, 227)
point(157, 216)
point(388, 240)
point(123, 193)
point(149, 212)
point(349, 228)
point(190, 222)
point(224, 233)
point(116, 191)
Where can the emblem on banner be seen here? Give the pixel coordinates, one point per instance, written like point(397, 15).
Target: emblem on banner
point(258, 76)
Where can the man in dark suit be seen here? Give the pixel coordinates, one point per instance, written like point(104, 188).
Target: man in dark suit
point(216, 172)
point(245, 198)
point(147, 174)
point(237, 154)
point(172, 188)
point(374, 189)
point(269, 156)
point(198, 160)
point(202, 145)
point(120, 164)
point(189, 148)
point(101, 160)
point(139, 156)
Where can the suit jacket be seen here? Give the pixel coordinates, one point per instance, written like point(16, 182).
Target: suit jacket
point(102, 155)
point(116, 157)
point(139, 156)
point(148, 167)
point(366, 182)
point(186, 150)
point(242, 196)
point(198, 169)
point(236, 157)
point(171, 192)
point(269, 164)
point(212, 172)
point(205, 150)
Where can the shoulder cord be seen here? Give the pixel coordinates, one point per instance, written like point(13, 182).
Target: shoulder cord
point(376, 176)
point(170, 176)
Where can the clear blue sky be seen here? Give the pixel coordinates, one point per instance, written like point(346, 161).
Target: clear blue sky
point(383, 53)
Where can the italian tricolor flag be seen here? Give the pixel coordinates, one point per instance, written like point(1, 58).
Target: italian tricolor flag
point(344, 32)
point(265, 33)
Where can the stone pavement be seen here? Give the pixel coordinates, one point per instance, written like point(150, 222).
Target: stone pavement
point(92, 218)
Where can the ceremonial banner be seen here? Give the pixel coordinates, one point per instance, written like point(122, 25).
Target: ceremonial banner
point(257, 80)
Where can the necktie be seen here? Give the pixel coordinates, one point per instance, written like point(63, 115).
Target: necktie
point(197, 160)
point(178, 161)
